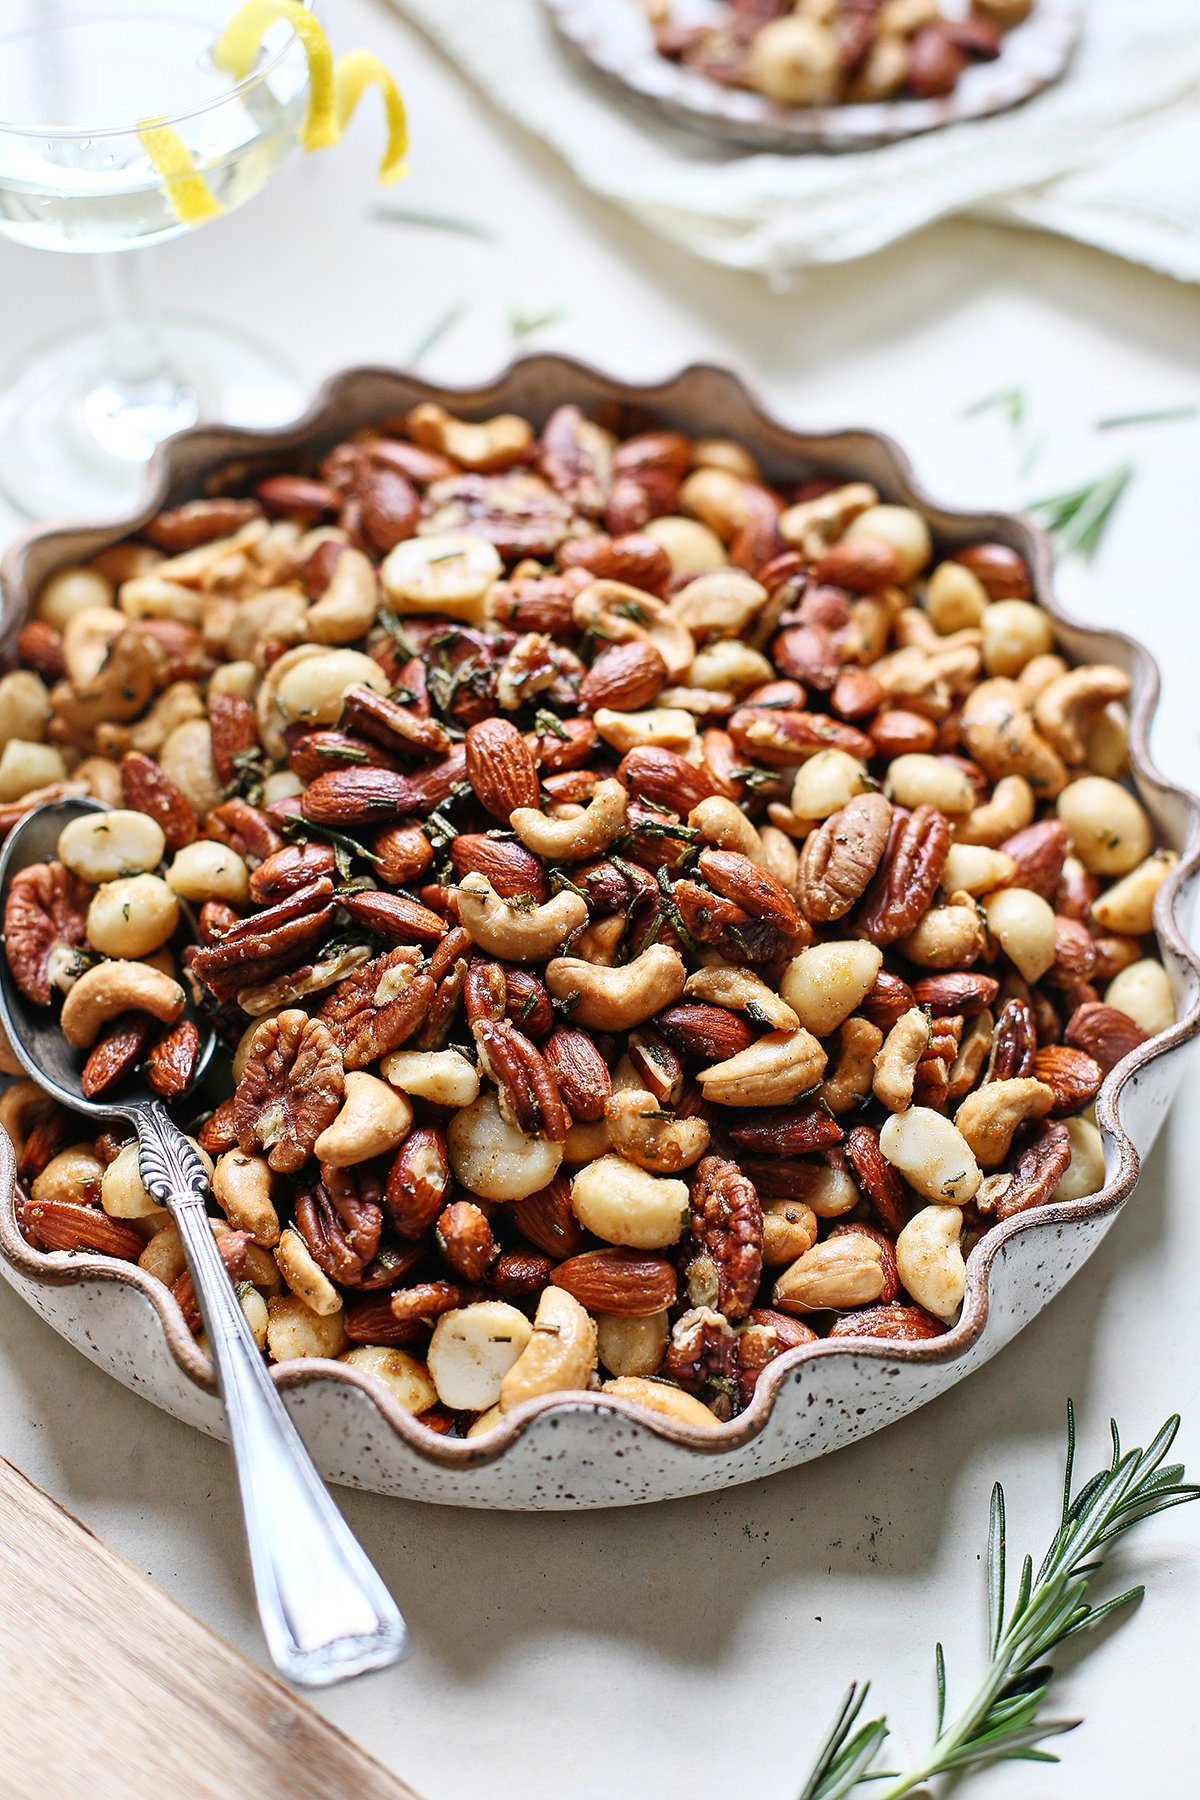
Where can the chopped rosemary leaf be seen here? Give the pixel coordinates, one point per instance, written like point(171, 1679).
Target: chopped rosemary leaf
point(304, 832)
point(1078, 518)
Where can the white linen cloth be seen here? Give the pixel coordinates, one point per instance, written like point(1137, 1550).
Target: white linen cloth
point(1109, 155)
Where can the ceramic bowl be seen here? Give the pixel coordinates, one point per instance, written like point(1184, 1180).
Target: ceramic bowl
point(590, 1451)
point(615, 38)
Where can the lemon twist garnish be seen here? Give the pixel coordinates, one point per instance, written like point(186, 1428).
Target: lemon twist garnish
point(334, 91)
point(190, 197)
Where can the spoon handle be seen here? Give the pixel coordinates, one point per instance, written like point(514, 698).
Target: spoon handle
point(325, 1613)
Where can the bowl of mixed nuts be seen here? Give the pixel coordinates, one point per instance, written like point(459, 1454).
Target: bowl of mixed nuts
point(823, 74)
point(692, 931)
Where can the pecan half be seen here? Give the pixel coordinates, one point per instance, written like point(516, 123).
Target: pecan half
point(340, 1219)
point(841, 856)
point(1037, 1171)
point(379, 1007)
point(908, 875)
point(45, 920)
point(529, 1096)
point(1014, 1043)
point(724, 1268)
point(702, 1356)
point(291, 1089)
point(418, 1182)
point(766, 1335)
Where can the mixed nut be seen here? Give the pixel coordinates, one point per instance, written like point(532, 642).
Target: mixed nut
point(657, 913)
point(830, 52)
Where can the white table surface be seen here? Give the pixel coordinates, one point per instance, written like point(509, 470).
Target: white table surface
point(701, 1647)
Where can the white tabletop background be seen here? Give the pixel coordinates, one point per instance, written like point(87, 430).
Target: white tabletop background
point(701, 1647)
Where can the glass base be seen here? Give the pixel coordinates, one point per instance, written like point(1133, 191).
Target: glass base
point(75, 438)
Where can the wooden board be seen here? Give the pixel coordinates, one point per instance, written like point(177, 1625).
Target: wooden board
point(109, 1690)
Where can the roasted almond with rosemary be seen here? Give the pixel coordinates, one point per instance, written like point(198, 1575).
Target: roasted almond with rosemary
point(500, 768)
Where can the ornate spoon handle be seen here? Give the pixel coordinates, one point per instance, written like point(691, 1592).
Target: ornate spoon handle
point(325, 1612)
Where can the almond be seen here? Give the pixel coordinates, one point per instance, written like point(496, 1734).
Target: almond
point(40, 647)
point(511, 868)
point(1039, 852)
point(712, 1033)
point(500, 768)
point(663, 778)
point(1001, 569)
point(962, 993)
point(66, 1225)
point(901, 1324)
point(1103, 1033)
point(546, 1219)
point(150, 789)
point(580, 1071)
point(624, 677)
point(234, 731)
point(623, 1282)
point(632, 557)
point(1073, 1077)
point(760, 893)
point(863, 564)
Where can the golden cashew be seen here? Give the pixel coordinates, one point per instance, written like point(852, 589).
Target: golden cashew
point(472, 1351)
point(740, 990)
point(483, 446)
point(304, 1275)
point(1009, 809)
point(975, 869)
point(374, 1118)
point(719, 605)
point(346, 610)
point(1108, 742)
point(722, 823)
point(87, 638)
point(561, 1353)
point(653, 1139)
point(616, 999)
point(9, 1064)
point(859, 1042)
point(660, 728)
point(727, 666)
point(154, 597)
point(789, 1230)
point(570, 840)
point(1038, 673)
point(948, 937)
point(988, 1118)
point(896, 1063)
point(21, 1106)
point(771, 1072)
point(999, 733)
point(406, 1378)
point(841, 1273)
point(242, 1189)
point(514, 935)
point(276, 616)
point(586, 1140)
point(931, 1153)
point(622, 614)
point(601, 942)
point(1062, 708)
point(825, 983)
point(624, 1204)
point(103, 777)
point(658, 1397)
point(116, 987)
point(175, 706)
point(973, 1053)
point(929, 1260)
point(813, 525)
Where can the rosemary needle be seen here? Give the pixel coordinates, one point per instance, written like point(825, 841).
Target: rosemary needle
point(1003, 1720)
point(1077, 519)
point(437, 331)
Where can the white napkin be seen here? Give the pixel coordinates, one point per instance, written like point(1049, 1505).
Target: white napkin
point(1110, 155)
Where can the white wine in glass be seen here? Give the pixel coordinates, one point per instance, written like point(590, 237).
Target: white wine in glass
point(79, 79)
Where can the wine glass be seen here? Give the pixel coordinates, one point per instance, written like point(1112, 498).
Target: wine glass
point(78, 78)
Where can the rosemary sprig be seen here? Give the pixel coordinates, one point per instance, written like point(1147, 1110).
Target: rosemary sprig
point(1009, 401)
point(1077, 519)
point(1162, 415)
point(1004, 1720)
point(454, 223)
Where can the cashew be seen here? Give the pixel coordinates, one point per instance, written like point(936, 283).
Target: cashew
point(473, 1349)
point(771, 1072)
point(111, 988)
point(653, 1139)
point(175, 706)
point(446, 572)
point(719, 605)
point(973, 1053)
point(9, 1064)
point(929, 1260)
point(658, 1397)
point(154, 597)
point(948, 937)
point(99, 847)
point(859, 1043)
point(1143, 993)
point(586, 1140)
point(346, 610)
point(975, 869)
point(812, 526)
point(1000, 734)
point(896, 1063)
point(304, 1275)
point(1128, 905)
point(242, 1189)
point(1108, 742)
point(931, 1154)
point(1109, 829)
point(406, 1379)
point(514, 935)
point(276, 616)
point(570, 840)
point(988, 1118)
point(1063, 707)
point(1009, 809)
point(87, 638)
point(727, 666)
point(742, 991)
point(660, 727)
point(1023, 925)
point(22, 1104)
point(1014, 632)
point(1084, 1174)
point(374, 1119)
point(444, 1077)
point(841, 1273)
point(722, 823)
point(495, 1160)
point(626, 1205)
point(827, 782)
point(616, 999)
point(295, 1330)
point(622, 614)
point(482, 445)
point(789, 1230)
point(601, 942)
point(825, 983)
point(632, 1346)
point(132, 917)
point(103, 777)
point(560, 1355)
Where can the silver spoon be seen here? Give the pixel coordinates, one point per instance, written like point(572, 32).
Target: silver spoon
point(325, 1613)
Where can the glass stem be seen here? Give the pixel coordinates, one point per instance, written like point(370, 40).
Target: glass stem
point(138, 399)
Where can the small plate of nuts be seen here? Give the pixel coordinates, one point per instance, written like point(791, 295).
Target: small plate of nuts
point(824, 74)
point(692, 931)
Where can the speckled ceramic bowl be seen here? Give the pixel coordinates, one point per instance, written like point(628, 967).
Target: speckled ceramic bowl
point(616, 40)
point(594, 1450)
